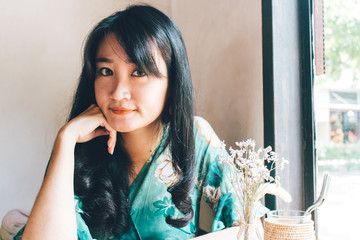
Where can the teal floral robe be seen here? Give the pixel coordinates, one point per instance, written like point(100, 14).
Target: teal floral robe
point(151, 203)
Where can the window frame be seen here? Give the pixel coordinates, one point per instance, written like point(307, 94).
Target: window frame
point(288, 81)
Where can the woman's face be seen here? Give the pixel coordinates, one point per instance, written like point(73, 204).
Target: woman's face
point(129, 99)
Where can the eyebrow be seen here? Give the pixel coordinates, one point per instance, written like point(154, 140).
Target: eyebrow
point(106, 60)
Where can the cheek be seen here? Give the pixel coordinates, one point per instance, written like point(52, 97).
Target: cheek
point(154, 95)
point(96, 89)
point(100, 93)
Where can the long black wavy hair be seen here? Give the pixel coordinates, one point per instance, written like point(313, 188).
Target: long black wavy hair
point(101, 180)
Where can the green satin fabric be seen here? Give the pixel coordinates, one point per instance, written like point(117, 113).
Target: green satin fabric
point(151, 203)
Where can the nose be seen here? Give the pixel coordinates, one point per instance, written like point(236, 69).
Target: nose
point(121, 89)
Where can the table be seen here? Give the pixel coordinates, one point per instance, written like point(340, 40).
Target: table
point(228, 233)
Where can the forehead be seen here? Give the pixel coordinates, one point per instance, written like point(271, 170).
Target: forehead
point(110, 48)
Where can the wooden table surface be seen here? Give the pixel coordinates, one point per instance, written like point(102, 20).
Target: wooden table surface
point(228, 233)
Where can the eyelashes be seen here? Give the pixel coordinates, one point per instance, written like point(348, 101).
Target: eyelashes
point(108, 72)
point(105, 72)
point(138, 73)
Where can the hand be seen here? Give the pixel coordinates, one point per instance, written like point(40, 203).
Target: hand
point(91, 124)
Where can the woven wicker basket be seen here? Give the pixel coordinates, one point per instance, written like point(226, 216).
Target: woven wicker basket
point(277, 231)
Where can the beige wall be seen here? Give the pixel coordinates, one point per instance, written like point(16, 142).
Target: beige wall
point(224, 44)
point(41, 44)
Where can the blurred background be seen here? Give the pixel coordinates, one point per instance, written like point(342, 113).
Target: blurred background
point(41, 45)
point(337, 116)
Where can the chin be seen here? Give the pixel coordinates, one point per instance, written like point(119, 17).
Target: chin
point(123, 128)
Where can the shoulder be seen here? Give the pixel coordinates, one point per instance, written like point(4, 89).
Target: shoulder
point(208, 149)
point(204, 132)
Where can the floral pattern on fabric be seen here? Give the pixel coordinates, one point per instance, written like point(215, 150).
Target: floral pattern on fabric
point(225, 214)
point(151, 201)
point(215, 174)
point(212, 191)
point(165, 172)
point(206, 131)
point(212, 194)
point(165, 207)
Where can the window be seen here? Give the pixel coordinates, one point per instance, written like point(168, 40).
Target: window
point(337, 117)
point(287, 94)
point(289, 122)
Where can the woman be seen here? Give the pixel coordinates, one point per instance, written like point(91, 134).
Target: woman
point(142, 161)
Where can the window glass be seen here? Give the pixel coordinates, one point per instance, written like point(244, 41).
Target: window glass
point(337, 116)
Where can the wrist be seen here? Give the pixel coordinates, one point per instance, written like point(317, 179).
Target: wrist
point(66, 135)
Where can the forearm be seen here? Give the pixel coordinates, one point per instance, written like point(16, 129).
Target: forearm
point(53, 214)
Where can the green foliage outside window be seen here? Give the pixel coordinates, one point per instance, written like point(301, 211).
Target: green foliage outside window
point(342, 34)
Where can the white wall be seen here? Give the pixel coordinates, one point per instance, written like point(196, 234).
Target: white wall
point(41, 43)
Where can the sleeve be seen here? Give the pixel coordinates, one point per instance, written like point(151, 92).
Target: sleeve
point(218, 193)
point(216, 188)
point(83, 231)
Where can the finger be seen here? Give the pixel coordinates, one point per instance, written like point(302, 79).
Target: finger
point(112, 138)
point(100, 132)
point(112, 141)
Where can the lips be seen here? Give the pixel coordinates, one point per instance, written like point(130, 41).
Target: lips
point(121, 110)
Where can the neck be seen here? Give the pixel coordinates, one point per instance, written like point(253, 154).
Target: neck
point(141, 144)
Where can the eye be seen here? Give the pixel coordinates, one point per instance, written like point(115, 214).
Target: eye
point(105, 72)
point(138, 73)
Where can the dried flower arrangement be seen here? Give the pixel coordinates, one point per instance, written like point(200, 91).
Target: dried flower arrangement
point(250, 177)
